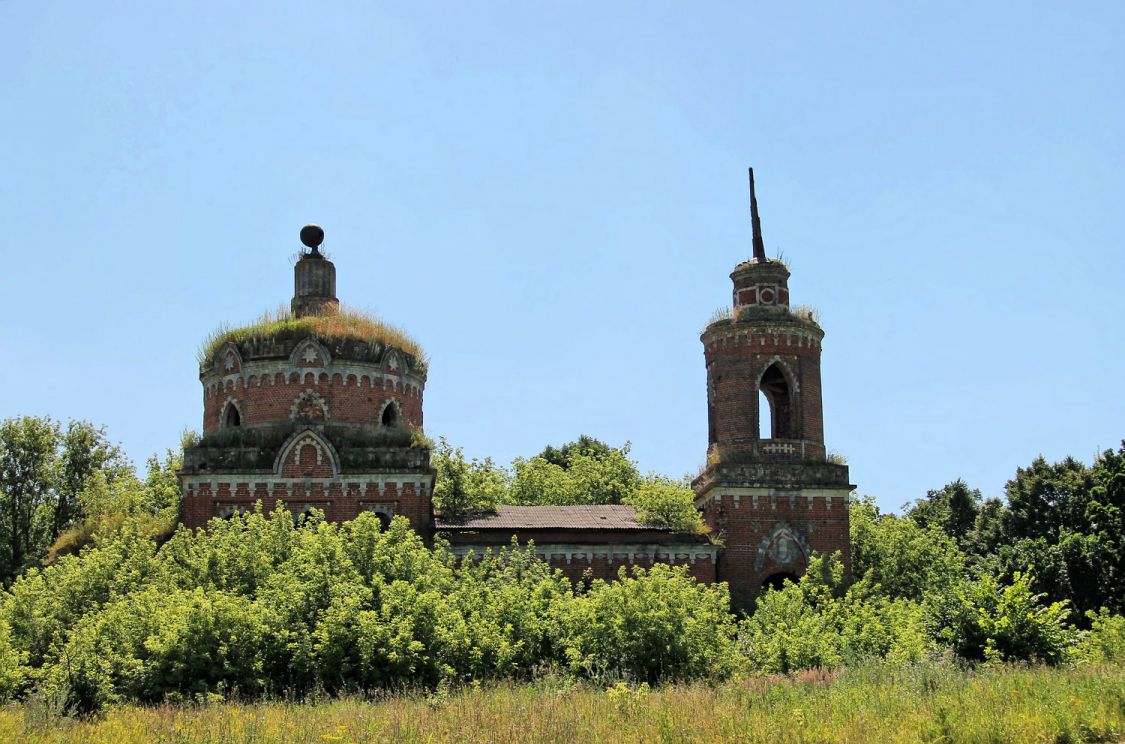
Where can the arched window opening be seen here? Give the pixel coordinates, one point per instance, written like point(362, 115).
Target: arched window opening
point(777, 581)
point(305, 516)
point(765, 417)
point(233, 417)
point(384, 520)
point(390, 416)
point(775, 388)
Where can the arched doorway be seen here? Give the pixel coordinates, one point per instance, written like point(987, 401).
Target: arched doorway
point(777, 580)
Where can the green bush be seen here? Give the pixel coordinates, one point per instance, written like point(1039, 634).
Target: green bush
point(650, 625)
point(984, 620)
point(13, 673)
point(816, 623)
point(1105, 641)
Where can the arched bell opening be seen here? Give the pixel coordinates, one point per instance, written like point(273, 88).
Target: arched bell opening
point(775, 418)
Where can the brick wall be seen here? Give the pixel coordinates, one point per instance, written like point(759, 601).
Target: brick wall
point(276, 391)
point(408, 495)
point(737, 355)
point(602, 560)
point(751, 523)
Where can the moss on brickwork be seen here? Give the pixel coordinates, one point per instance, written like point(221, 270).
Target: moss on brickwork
point(345, 325)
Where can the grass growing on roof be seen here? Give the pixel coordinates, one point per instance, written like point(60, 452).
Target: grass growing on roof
point(347, 323)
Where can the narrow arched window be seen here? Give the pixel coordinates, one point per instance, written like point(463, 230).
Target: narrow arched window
point(390, 416)
point(779, 397)
point(233, 417)
point(765, 417)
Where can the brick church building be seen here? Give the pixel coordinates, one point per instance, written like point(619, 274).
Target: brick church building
point(322, 414)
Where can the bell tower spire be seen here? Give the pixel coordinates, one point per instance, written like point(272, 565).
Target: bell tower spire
point(756, 224)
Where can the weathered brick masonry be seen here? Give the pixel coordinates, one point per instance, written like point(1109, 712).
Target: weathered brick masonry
point(323, 423)
point(332, 423)
point(770, 497)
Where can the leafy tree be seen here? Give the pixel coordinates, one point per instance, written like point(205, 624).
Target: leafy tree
point(161, 486)
point(462, 487)
point(1104, 519)
point(1064, 522)
point(43, 472)
point(538, 482)
point(988, 531)
point(85, 451)
point(953, 508)
point(28, 474)
point(1045, 499)
point(585, 445)
point(985, 620)
point(900, 557)
point(584, 472)
point(664, 502)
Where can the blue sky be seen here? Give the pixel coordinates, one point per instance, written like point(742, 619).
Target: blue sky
point(550, 197)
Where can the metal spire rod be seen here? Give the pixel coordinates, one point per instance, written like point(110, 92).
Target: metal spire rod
point(756, 224)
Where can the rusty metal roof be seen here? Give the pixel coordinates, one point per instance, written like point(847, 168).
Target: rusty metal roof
point(603, 517)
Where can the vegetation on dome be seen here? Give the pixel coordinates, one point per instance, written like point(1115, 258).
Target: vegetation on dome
point(344, 324)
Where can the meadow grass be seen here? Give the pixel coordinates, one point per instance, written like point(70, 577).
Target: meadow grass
point(927, 702)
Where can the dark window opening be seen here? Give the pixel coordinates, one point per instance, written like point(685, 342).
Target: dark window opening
point(779, 398)
point(390, 416)
point(233, 418)
point(305, 517)
point(230, 512)
point(384, 520)
point(777, 581)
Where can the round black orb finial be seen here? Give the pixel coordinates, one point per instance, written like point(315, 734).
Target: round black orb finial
point(312, 236)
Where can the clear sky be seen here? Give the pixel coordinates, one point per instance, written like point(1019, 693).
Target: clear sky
point(550, 198)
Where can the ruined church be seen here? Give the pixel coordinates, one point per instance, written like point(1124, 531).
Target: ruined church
point(329, 419)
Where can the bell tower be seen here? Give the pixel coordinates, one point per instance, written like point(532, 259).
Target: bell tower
point(769, 492)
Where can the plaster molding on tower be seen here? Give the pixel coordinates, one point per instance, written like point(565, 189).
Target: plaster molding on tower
point(306, 401)
point(227, 358)
point(778, 544)
point(324, 450)
point(309, 351)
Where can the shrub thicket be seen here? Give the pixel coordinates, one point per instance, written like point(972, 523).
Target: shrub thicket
point(261, 605)
point(123, 609)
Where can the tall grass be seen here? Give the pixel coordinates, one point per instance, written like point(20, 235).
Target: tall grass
point(345, 324)
point(934, 701)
